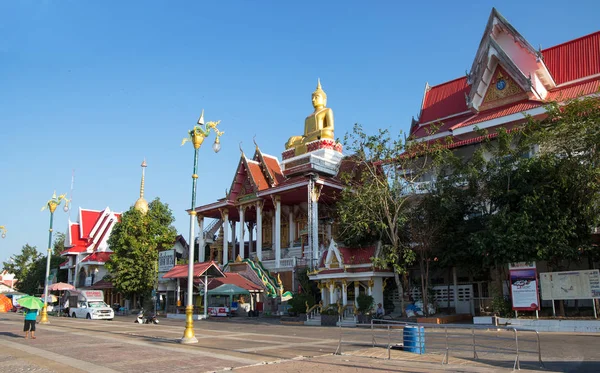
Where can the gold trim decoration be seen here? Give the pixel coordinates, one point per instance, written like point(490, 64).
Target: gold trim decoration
point(493, 93)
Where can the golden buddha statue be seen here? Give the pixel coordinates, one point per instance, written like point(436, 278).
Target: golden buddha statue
point(318, 125)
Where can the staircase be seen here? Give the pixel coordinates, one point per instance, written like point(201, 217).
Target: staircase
point(211, 230)
point(313, 315)
point(314, 321)
point(347, 318)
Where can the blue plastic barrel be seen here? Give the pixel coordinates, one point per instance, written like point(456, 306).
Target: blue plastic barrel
point(414, 339)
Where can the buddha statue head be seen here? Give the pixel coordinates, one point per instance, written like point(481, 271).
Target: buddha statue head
point(319, 97)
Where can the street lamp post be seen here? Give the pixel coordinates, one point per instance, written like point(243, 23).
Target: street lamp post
point(3, 230)
point(52, 204)
point(196, 136)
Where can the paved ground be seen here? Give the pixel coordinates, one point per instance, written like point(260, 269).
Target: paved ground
point(76, 345)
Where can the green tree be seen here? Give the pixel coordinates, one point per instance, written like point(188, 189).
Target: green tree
point(34, 281)
point(21, 264)
point(376, 201)
point(135, 242)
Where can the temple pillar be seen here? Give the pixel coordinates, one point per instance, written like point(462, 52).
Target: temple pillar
point(201, 248)
point(241, 247)
point(225, 233)
point(314, 192)
point(277, 203)
point(370, 291)
point(259, 206)
point(331, 292)
point(356, 290)
point(233, 239)
point(344, 292)
point(324, 297)
point(377, 293)
point(291, 227)
point(250, 238)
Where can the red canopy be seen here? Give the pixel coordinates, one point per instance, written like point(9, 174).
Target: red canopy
point(210, 269)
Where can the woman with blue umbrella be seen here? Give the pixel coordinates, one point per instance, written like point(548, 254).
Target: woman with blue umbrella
point(31, 306)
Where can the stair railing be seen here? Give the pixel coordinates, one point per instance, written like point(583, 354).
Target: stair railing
point(314, 311)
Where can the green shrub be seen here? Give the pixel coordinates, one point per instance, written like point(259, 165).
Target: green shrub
point(298, 302)
point(501, 306)
point(365, 303)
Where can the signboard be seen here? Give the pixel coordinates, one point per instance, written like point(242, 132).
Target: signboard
point(94, 294)
point(166, 260)
point(523, 286)
point(218, 311)
point(570, 285)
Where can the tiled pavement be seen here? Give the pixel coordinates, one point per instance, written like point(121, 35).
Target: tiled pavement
point(75, 345)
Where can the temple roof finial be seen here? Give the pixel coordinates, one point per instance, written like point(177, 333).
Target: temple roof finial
point(141, 205)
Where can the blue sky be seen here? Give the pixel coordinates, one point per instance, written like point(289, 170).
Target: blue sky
point(98, 86)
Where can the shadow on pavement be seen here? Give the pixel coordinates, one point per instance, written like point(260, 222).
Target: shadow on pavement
point(11, 334)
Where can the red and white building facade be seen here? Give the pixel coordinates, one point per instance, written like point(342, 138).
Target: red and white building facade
point(86, 248)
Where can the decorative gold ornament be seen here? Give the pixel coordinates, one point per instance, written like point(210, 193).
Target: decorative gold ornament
point(55, 201)
point(141, 205)
point(318, 125)
point(371, 283)
point(200, 131)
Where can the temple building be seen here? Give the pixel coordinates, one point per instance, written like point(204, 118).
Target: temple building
point(286, 209)
point(508, 80)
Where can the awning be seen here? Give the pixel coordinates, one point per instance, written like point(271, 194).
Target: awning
point(210, 269)
point(228, 289)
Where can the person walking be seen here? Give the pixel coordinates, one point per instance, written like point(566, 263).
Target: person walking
point(30, 319)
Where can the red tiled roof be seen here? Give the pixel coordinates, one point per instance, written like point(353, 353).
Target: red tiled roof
point(503, 111)
point(274, 169)
point(574, 90)
point(234, 279)
point(574, 59)
point(100, 257)
point(257, 175)
point(357, 255)
point(181, 270)
point(444, 125)
point(88, 220)
point(444, 100)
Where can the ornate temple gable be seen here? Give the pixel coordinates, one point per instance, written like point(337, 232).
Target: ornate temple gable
point(334, 257)
point(502, 44)
point(248, 179)
point(502, 90)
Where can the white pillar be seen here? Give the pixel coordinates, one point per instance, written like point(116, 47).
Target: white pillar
point(277, 231)
point(291, 227)
point(225, 217)
point(370, 289)
point(201, 249)
point(344, 292)
point(323, 287)
point(250, 238)
point(205, 297)
point(377, 292)
point(178, 294)
point(331, 292)
point(356, 291)
point(241, 232)
point(233, 239)
point(259, 205)
point(313, 218)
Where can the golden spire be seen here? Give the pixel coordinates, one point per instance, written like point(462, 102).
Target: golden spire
point(320, 90)
point(141, 205)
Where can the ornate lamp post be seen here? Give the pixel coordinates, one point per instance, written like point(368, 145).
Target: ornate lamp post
point(3, 230)
point(196, 135)
point(52, 204)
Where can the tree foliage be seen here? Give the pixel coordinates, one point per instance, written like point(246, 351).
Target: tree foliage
point(375, 204)
point(34, 280)
point(21, 264)
point(135, 242)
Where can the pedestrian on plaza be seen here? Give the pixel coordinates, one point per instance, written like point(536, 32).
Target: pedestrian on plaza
point(30, 319)
point(380, 312)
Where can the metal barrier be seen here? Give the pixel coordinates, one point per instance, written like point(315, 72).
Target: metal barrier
point(471, 342)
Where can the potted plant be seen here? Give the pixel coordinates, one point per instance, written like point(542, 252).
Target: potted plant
point(330, 316)
point(365, 306)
